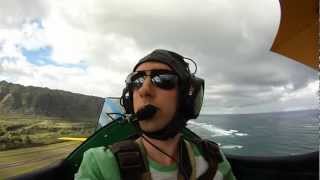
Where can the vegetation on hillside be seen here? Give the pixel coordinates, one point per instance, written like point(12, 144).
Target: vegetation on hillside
point(17, 131)
point(33, 116)
point(18, 99)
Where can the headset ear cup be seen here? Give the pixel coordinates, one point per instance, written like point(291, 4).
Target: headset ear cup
point(130, 103)
point(188, 107)
point(194, 98)
point(126, 101)
point(127, 104)
point(198, 98)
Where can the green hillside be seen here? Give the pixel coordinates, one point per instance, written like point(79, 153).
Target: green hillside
point(29, 100)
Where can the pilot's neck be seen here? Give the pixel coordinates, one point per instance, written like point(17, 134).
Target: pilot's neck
point(169, 146)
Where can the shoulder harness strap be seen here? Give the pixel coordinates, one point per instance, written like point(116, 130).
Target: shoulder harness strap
point(133, 166)
point(192, 161)
point(130, 160)
point(211, 153)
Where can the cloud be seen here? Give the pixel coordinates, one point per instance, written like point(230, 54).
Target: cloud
point(13, 13)
point(92, 81)
point(94, 44)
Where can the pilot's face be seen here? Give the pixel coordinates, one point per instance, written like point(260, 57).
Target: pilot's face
point(148, 93)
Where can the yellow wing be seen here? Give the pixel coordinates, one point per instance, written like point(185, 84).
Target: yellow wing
point(72, 139)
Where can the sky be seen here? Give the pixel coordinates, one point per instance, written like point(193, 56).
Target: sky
point(89, 47)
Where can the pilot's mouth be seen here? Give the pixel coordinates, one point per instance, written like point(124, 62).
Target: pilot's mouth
point(146, 112)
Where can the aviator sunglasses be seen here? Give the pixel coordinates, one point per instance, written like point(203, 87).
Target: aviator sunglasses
point(164, 79)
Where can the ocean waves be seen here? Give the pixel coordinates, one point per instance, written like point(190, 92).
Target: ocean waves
point(214, 130)
point(274, 134)
point(211, 131)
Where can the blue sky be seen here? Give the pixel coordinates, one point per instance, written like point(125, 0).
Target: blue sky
point(42, 57)
point(39, 57)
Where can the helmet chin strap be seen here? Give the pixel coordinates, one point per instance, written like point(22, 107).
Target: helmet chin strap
point(169, 131)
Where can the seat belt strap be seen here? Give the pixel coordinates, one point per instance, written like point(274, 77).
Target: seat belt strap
point(133, 163)
point(192, 161)
point(130, 159)
point(146, 175)
point(211, 154)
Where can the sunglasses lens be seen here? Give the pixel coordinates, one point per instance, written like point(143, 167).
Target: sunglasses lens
point(137, 81)
point(165, 81)
point(162, 79)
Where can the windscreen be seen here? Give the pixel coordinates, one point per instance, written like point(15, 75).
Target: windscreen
point(111, 110)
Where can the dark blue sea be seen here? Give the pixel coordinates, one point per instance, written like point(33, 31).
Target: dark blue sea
point(265, 134)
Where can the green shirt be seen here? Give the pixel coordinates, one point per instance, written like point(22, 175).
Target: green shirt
point(100, 163)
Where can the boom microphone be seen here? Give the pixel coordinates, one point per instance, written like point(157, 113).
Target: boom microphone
point(146, 112)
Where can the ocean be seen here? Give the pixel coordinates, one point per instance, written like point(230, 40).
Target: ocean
point(265, 134)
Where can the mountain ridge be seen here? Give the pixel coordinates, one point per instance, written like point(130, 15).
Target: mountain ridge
point(31, 100)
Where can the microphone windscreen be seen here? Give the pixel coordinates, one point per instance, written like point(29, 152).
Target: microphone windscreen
point(146, 112)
